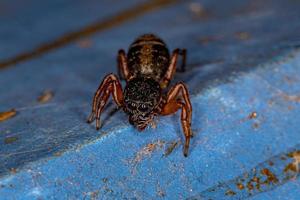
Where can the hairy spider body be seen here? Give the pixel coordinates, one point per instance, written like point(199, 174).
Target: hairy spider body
point(148, 56)
point(148, 69)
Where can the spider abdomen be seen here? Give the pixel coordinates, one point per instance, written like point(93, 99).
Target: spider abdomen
point(148, 56)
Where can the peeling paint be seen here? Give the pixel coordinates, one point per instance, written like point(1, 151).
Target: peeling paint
point(264, 177)
point(46, 96)
point(7, 114)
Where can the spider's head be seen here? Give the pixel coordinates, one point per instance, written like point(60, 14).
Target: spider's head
point(141, 99)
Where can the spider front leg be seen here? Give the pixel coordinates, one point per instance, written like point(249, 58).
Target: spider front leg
point(178, 98)
point(109, 85)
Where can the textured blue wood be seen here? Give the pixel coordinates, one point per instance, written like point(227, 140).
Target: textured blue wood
point(243, 58)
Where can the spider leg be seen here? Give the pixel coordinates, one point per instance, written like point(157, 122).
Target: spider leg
point(109, 85)
point(98, 92)
point(178, 98)
point(123, 70)
point(172, 67)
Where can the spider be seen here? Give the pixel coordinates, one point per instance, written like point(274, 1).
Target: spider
point(147, 69)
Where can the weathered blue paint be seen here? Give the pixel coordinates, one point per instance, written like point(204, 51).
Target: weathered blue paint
point(242, 59)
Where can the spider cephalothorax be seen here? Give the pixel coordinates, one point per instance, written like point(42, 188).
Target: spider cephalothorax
point(142, 96)
point(148, 69)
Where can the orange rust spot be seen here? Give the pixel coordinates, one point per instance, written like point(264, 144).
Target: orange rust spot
point(294, 166)
point(290, 167)
point(240, 186)
point(294, 154)
point(46, 96)
point(271, 178)
point(7, 114)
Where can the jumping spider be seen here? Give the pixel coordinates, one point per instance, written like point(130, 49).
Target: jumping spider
point(148, 70)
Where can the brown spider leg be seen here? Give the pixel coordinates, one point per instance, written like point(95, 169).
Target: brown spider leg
point(172, 67)
point(110, 84)
point(178, 97)
point(96, 97)
point(123, 70)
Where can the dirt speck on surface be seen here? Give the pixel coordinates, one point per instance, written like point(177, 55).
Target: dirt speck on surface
point(198, 10)
point(84, 43)
point(208, 39)
point(13, 170)
point(252, 115)
point(104, 180)
point(271, 163)
point(242, 35)
point(7, 114)
point(255, 125)
point(10, 140)
point(57, 154)
point(147, 150)
point(290, 108)
point(160, 192)
point(293, 98)
point(250, 186)
point(46, 96)
point(271, 102)
point(94, 195)
point(230, 193)
point(290, 79)
point(144, 153)
point(171, 147)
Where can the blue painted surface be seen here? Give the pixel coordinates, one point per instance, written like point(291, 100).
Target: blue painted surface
point(28, 24)
point(242, 59)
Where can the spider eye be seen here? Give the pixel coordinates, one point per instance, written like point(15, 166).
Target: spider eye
point(132, 106)
point(144, 108)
